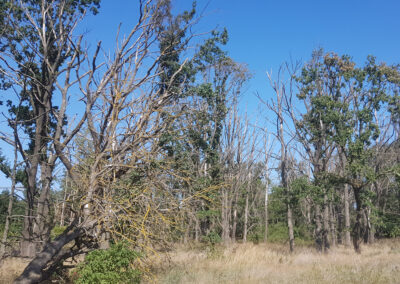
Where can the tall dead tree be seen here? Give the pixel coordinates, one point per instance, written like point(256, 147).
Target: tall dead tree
point(268, 146)
point(122, 109)
point(280, 109)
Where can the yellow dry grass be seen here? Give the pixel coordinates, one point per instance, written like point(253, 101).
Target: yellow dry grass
point(264, 263)
point(11, 268)
point(378, 263)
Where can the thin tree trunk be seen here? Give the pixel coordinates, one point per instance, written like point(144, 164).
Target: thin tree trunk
point(318, 229)
point(234, 221)
point(246, 213)
point(340, 226)
point(347, 238)
point(62, 213)
point(266, 212)
point(10, 203)
point(197, 230)
point(225, 217)
point(267, 150)
point(290, 227)
point(357, 229)
point(326, 229)
point(371, 236)
point(332, 224)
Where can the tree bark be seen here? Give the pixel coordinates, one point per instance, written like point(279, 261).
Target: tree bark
point(246, 213)
point(318, 229)
point(357, 229)
point(266, 212)
point(347, 239)
point(332, 222)
point(326, 228)
point(290, 227)
point(33, 273)
point(225, 217)
point(234, 221)
point(10, 202)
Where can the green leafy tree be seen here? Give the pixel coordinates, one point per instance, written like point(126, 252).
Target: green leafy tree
point(37, 44)
point(342, 102)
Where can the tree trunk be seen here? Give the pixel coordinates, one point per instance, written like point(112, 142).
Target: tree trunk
point(347, 239)
point(246, 213)
point(42, 225)
point(187, 231)
point(234, 221)
point(326, 229)
point(290, 227)
point(332, 224)
point(225, 217)
point(357, 229)
point(340, 225)
point(28, 243)
point(10, 204)
point(197, 230)
point(368, 232)
point(318, 229)
point(34, 272)
point(266, 212)
point(62, 213)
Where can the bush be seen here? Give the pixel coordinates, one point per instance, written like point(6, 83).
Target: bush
point(278, 233)
point(114, 265)
point(56, 231)
point(212, 238)
point(257, 235)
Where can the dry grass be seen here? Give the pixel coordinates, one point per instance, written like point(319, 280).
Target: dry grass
point(378, 263)
point(271, 263)
point(11, 268)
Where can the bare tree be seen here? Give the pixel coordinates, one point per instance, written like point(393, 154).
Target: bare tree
point(280, 107)
point(123, 106)
point(268, 146)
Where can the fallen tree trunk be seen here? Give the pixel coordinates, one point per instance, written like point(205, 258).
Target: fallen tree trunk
point(34, 272)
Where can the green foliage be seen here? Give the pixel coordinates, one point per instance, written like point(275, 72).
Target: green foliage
point(212, 238)
point(278, 232)
point(388, 226)
point(256, 235)
point(56, 231)
point(18, 209)
point(204, 214)
point(115, 265)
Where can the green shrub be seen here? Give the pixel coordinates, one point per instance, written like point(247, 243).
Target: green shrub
point(278, 233)
point(114, 265)
point(56, 231)
point(257, 235)
point(212, 238)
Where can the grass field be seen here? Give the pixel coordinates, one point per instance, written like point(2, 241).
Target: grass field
point(264, 263)
point(378, 263)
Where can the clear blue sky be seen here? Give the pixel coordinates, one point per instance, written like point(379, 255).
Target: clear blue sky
point(264, 34)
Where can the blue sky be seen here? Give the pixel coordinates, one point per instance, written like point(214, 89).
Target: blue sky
point(264, 34)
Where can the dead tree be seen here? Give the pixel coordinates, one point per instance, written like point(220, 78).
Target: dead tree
point(123, 106)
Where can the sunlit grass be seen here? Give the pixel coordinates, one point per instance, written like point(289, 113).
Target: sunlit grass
point(264, 263)
point(378, 263)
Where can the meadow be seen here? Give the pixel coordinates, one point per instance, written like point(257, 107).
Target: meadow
point(272, 263)
point(262, 263)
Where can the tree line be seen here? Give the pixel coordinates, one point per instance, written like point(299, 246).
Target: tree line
point(154, 148)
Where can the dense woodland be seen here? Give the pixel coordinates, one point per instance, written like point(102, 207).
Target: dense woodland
point(148, 144)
